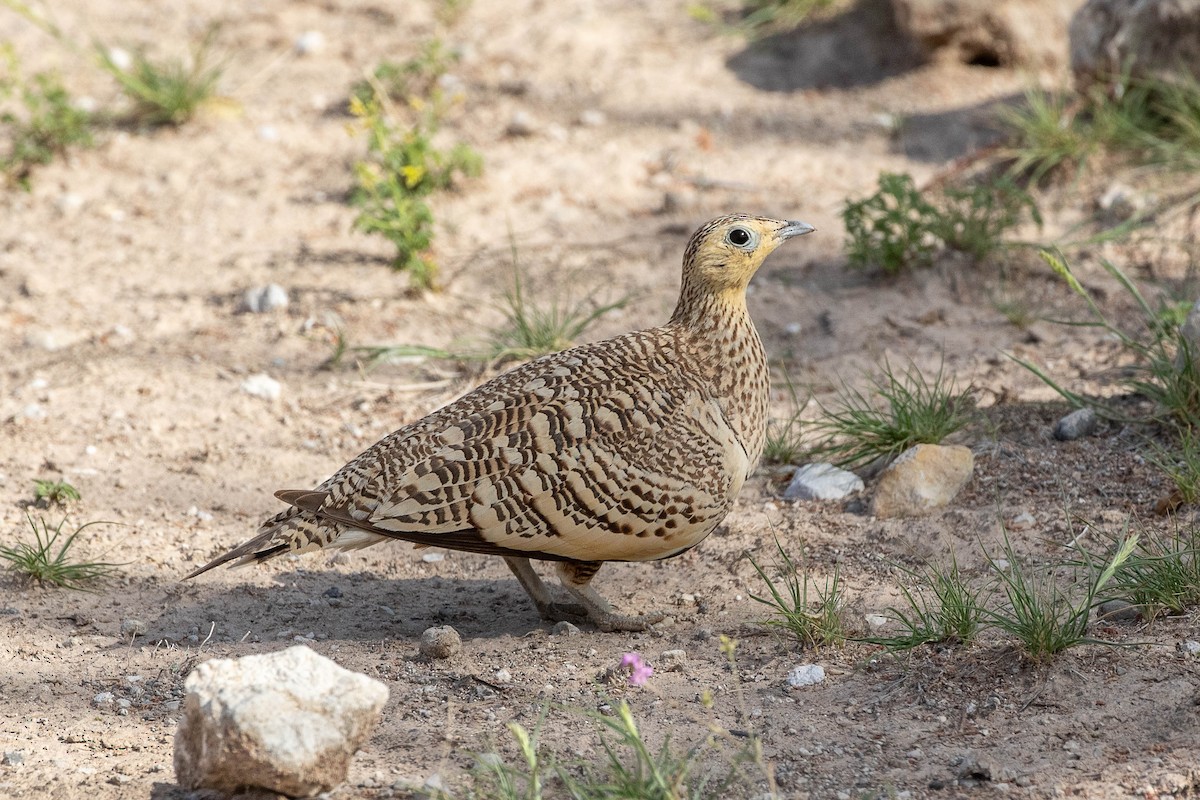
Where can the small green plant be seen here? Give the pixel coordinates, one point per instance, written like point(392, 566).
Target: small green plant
point(168, 92)
point(502, 781)
point(898, 227)
point(1181, 464)
point(402, 168)
point(916, 410)
point(1162, 575)
point(57, 493)
point(1166, 369)
point(973, 220)
point(891, 228)
point(37, 118)
point(1045, 616)
point(784, 443)
point(940, 607)
point(40, 562)
point(416, 77)
point(815, 618)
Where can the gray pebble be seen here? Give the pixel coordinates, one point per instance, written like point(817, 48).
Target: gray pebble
point(1189, 647)
point(564, 628)
point(133, 627)
point(265, 298)
point(1118, 611)
point(440, 642)
point(1079, 423)
point(12, 758)
point(521, 124)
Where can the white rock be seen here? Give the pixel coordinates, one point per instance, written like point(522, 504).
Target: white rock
point(120, 58)
point(309, 43)
point(592, 118)
point(287, 722)
point(877, 620)
point(267, 133)
point(1189, 647)
point(805, 675)
point(262, 299)
point(262, 385)
point(433, 558)
point(33, 411)
point(672, 661)
point(502, 676)
point(822, 482)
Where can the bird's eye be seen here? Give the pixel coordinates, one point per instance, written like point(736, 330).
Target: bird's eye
point(739, 237)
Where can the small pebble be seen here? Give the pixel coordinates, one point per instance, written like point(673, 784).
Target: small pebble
point(103, 699)
point(1118, 611)
point(433, 558)
point(502, 676)
point(521, 124)
point(262, 385)
point(12, 758)
point(805, 675)
point(333, 591)
point(309, 43)
point(877, 620)
point(592, 118)
point(1189, 647)
point(265, 298)
point(133, 627)
point(1079, 423)
point(440, 642)
point(564, 628)
point(672, 661)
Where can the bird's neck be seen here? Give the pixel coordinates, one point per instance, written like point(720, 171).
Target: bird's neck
point(725, 343)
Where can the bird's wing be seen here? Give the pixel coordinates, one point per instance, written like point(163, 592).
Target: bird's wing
point(592, 454)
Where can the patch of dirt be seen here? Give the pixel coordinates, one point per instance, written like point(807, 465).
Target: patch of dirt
point(121, 276)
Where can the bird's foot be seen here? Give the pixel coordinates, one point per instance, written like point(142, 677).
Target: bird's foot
point(554, 611)
point(609, 622)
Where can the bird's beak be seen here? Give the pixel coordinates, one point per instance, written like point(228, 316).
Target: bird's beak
point(794, 228)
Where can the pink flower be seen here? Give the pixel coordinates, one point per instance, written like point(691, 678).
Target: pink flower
point(639, 671)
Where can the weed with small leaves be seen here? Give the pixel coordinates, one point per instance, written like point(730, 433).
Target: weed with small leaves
point(917, 411)
point(940, 608)
point(416, 77)
point(1045, 616)
point(169, 92)
point(40, 122)
point(57, 493)
point(974, 219)
point(814, 618)
point(402, 168)
point(892, 228)
point(40, 562)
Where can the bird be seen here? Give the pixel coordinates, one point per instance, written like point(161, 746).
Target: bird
point(632, 448)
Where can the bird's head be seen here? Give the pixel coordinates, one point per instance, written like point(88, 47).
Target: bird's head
point(725, 253)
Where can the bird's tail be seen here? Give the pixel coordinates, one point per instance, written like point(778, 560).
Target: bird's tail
point(294, 530)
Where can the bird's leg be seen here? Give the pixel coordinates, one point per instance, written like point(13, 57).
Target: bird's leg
point(540, 594)
point(576, 577)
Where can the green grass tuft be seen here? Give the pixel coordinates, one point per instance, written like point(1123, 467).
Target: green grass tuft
point(42, 563)
point(813, 617)
point(169, 92)
point(939, 608)
point(915, 410)
point(57, 493)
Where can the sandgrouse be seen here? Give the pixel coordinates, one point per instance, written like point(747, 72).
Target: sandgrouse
point(628, 449)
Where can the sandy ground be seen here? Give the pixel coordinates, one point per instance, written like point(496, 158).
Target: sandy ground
point(121, 277)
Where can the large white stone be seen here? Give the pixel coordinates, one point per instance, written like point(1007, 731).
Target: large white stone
point(822, 482)
point(287, 722)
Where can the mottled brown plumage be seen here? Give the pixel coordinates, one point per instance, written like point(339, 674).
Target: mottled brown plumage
point(629, 449)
